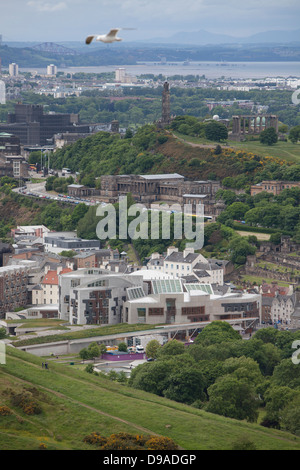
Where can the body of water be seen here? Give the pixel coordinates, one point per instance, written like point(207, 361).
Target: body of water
point(211, 70)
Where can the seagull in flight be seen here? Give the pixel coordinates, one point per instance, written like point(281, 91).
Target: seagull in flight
point(107, 38)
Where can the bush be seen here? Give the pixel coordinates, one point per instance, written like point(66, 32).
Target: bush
point(243, 443)
point(161, 443)
point(26, 402)
point(126, 441)
point(5, 411)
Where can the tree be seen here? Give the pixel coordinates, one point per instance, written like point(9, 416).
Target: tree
point(233, 398)
point(277, 398)
point(84, 354)
point(217, 332)
point(186, 386)
point(172, 348)
point(268, 136)
point(122, 347)
point(152, 348)
point(294, 134)
point(290, 416)
point(287, 374)
point(216, 131)
point(2, 333)
point(244, 369)
point(93, 350)
point(240, 249)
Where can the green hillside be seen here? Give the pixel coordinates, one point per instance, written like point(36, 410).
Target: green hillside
point(74, 404)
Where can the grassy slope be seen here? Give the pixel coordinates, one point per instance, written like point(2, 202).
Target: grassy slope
point(77, 403)
point(282, 150)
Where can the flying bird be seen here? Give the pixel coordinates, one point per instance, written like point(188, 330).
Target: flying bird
point(107, 38)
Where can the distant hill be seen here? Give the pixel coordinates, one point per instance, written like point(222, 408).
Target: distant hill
point(203, 37)
point(193, 46)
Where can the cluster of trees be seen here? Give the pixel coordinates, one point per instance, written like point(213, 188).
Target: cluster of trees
point(190, 125)
point(104, 153)
point(223, 374)
point(60, 185)
point(53, 215)
point(280, 212)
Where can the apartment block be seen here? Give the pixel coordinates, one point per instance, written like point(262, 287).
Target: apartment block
point(13, 288)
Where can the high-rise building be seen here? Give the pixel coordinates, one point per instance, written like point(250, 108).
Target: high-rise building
point(13, 70)
point(120, 75)
point(2, 93)
point(51, 69)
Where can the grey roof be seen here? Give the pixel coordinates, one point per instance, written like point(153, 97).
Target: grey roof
point(178, 257)
point(266, 300)
point(189, 279)
point(201, 273)
point(162, 176)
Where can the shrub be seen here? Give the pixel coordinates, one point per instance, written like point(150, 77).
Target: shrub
point(5, 411)
point(26, 402)
point(126, 441)
point(243, 443)
point(161, 443)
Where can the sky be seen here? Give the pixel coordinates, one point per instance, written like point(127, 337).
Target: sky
point(73, 20)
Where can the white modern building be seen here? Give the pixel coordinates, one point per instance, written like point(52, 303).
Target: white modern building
point(93, 296)
point(13, 70)
point(51, 69)
point(2, 92)
point(172, 301)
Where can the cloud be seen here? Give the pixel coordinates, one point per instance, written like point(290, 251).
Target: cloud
point(41, 5)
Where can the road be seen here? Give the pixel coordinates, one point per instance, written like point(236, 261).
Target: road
point(38, 190)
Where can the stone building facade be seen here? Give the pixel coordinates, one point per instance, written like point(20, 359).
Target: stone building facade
point(273, 186)
point(168, 188)
point(252, 125)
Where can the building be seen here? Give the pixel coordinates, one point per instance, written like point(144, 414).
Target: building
point(173, 301)
point(14, 166)
point(243, 126)
point(47, 291)
point(57, 242)
point(51, 70)
point(79, 190)
point(93, 259)
point(273, 186)
point(29, 231)
point(9, 143)
point(34, 127)
point(93, 296)
point(188, 265)
point(60, 140)
point(13, 288)
point(169, 188)
point(2, 92)
point(13, 70)
point(120, 75)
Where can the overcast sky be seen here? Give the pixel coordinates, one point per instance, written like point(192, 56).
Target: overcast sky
point(73, 20)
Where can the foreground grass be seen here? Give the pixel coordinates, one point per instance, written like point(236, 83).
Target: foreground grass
point(76, 403)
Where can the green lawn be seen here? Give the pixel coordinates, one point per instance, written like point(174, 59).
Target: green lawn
point(75, 403)
point(259, 280)
point(283, 150)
